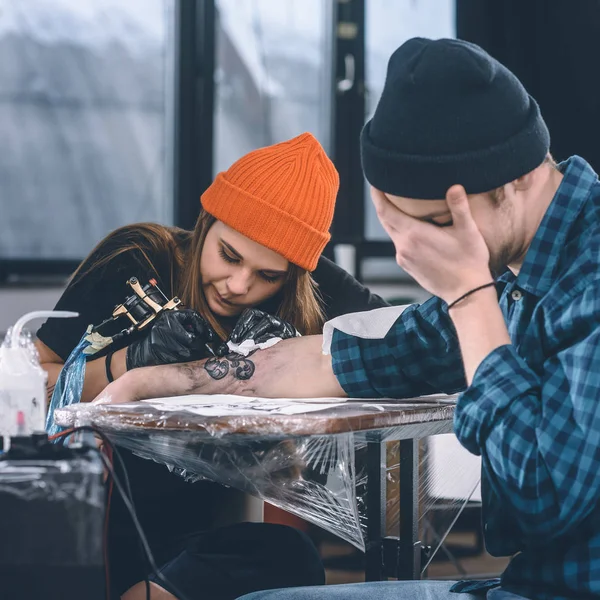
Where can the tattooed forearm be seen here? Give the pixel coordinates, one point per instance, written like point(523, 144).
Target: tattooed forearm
point(292, 368)
point(217, 367)
point(241, 367)
point(50, 391)
point(191, 379)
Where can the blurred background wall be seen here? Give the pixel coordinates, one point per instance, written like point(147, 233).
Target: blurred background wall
point(117, 111)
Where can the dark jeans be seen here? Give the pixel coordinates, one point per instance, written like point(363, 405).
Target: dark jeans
point(228, 562)
point(382, 590)
point(200, 560)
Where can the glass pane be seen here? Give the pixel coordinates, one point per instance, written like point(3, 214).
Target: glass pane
point(272, 74)
point(85, 91)
point(389, 23)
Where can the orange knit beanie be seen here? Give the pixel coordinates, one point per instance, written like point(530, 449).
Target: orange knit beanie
point(281, 196)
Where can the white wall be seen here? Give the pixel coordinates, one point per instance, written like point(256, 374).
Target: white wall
point(16, 301)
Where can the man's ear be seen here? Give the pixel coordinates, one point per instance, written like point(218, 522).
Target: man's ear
point(523, 183)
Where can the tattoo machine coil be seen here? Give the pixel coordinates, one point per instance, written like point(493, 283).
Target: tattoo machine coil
point(141, 308)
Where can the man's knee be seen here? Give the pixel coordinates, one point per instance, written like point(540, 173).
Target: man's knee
point(380, 590)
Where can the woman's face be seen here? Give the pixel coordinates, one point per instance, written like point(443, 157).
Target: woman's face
point(238, 273)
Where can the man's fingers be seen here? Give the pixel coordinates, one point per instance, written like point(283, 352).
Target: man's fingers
point(458, 203)
point(390, 216)
point(383, 207)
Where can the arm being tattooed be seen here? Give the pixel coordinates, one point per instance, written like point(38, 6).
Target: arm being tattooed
point(242, 367)
point(294, 368)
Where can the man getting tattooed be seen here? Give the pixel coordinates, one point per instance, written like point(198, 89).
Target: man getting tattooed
point(242, 367)
point(293, 368)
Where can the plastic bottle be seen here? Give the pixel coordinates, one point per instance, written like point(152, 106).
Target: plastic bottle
point(23, 381)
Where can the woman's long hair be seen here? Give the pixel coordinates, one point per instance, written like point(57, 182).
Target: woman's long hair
point(301, 303)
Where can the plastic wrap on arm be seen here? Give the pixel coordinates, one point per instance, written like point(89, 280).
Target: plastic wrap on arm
point(69, 384)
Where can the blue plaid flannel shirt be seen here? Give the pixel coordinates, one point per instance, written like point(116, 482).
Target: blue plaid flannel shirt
point(533, 409)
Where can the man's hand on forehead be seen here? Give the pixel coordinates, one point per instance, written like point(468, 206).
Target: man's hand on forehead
point(447, 261)
point(393, 217)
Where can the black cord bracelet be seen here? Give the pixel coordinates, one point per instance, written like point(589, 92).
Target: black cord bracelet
point(481, 287)
point(107, 362)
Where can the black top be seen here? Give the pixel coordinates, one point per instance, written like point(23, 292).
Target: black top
point(95, 295)
point(167, 506)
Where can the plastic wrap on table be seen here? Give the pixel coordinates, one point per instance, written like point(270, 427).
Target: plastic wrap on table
point(260, 417)
point(311, 464)
point(310, 476)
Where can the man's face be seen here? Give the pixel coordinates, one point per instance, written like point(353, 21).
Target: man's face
point(494, 215)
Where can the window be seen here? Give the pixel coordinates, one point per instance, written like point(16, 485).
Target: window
point(389, 23)
point(273, 74)
point(85, 96)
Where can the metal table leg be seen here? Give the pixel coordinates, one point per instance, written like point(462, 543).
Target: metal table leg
point(376, 508)
point(409, 551)
point(388, 556)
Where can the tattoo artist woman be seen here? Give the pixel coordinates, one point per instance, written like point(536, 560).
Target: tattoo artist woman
point(257, 244)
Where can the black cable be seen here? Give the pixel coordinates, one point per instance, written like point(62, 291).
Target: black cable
point(107, 441)
point(131, 510)
point(128, 501)
point(62, 437)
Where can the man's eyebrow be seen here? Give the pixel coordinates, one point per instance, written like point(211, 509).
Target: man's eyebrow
point(231, 249)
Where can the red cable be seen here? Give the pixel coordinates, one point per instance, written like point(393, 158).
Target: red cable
point(61, 434)
point(109, 453)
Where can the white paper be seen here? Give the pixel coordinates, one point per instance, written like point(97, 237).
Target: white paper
point(248, 346)
point(369, 325)
point(219, 405)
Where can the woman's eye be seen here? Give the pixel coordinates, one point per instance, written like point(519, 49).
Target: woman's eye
point(270, 278)
point(227, 258)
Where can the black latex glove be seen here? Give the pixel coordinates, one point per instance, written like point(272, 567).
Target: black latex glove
point(176, 336)
point(259, 327)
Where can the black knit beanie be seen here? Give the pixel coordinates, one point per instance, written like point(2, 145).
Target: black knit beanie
point(450, 114)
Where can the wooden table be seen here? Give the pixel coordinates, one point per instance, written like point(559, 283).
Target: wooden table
point(372, 421)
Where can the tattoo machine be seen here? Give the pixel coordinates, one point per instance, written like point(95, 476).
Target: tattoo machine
point(141, 308)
